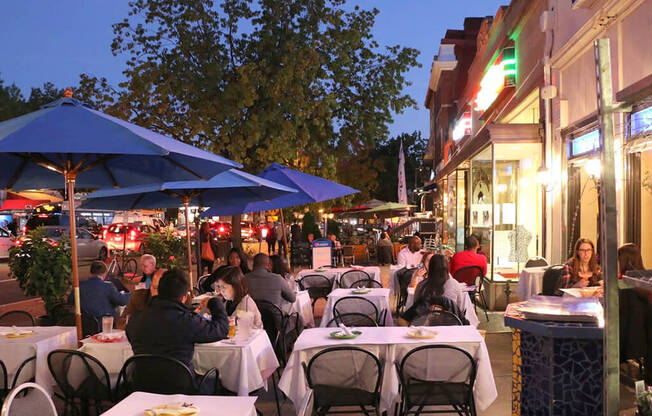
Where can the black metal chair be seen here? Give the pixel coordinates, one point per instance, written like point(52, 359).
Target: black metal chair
point(16, 318)
point(367, 283)
point(352, 319)
point(318, 287)
point(356, 304)
point(447, 381)
point(160, 374)
point(90, 324)
point(473, 277)
point(349, 277)
point(4, 388)
point(536, 262)
point(403, 279)
point(201, 284)
point(26, 372)
point(353, 381)
point(82, 380)
point(437, 317)
point(552, 280)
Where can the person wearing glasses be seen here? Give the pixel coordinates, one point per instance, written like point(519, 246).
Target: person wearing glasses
point(582, 269)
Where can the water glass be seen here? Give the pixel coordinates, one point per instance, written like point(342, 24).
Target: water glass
point(107, 324)
point(231, 327)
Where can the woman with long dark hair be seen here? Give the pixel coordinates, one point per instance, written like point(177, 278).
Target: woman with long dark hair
point(438, 289)
point(582, 269)
point(629, 258)
point(237, 258)
point(231, 286)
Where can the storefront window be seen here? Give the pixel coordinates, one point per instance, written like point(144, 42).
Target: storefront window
point(481, 199)
point(450, 210)
point(461, 209)
point(517, 208)
point(646, 213)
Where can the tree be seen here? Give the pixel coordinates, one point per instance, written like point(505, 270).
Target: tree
point(310, 226)
point(386, 156)
point(14, 104)
point(301, 82)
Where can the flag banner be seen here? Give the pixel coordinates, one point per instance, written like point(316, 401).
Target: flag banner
point(402, 189)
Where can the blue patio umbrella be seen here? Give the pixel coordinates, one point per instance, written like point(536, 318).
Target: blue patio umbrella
point(311, 189)
point(91, 149)
point(232, 186)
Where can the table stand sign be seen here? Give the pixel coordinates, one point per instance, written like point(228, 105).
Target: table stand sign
point(322, 249)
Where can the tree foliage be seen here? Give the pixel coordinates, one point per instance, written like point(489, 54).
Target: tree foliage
point(300, 82)
point(386, 157)
point(14, 104)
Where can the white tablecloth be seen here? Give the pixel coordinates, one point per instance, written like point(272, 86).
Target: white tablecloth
point(379, 297)
point(390, 345)
point(136, 403)
point(466, 306)
point(393, 284)
point(530, 282)
point(13, 351)
point(243, 366)
point(334, 273)
point(303, 306)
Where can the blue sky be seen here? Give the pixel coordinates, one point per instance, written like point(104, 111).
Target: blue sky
point(46, 40)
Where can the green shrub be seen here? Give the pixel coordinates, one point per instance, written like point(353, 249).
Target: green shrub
point(42, 268)
point(169, 250)
point(310, 226)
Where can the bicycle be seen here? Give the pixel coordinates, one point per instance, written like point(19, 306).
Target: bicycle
point(123, 265)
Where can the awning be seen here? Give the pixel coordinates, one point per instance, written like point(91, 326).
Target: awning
point(491, 133)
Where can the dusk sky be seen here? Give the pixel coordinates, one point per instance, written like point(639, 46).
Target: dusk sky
point(45, 40)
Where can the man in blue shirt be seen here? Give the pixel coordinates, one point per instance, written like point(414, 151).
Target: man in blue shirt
point(99, 298)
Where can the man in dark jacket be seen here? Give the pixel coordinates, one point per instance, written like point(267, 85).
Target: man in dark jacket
point(99, 298)
point(265, 285)
point(167, 327)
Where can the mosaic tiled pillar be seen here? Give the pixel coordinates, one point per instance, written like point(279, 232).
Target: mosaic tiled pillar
point(560, 376)
point(516, 372)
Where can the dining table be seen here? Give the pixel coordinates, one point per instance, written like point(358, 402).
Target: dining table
point(244, 364)
point(137, 402)
point(14, 350)
point(390, 345)
point(379, 297)
point(303, 306)
point(530, 282)
point(334, 273)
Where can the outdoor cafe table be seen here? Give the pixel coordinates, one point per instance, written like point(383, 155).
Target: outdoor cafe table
point(379, 297)
point(390, 345)
point(137, 402)
point(464, 303)
point(530, 282)
point(13, 351)
point(333, 274)
point(244, 366)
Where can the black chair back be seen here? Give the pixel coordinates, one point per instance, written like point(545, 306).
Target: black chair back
point(4, 388)
point(16, 318)
point(355, 304)
point(349, 277)
point(468, 275)
point(353, 381)
point(353, 319)
point(81, 378)
point(90, 324)
point(155, 374)
point(318, 286)
point(447, 381)
point(552, 281)
point(437, 317)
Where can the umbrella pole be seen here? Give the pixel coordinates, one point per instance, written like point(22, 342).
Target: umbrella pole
point(285, 238)
point(186, 203)
point(70, 185)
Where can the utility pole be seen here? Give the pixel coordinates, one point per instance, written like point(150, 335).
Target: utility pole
point(608, 228)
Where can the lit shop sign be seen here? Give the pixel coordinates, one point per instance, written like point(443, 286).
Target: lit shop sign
point(500, 75)
point(584, 144)
point(641, 121)
point(462, 126)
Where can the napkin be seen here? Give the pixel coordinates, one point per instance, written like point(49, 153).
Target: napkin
point(173, 409)
point(16, 331)
point(345, 329)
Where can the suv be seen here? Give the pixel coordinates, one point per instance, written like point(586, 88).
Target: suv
point(128, 237)
point(137, 218)
point(220, 229)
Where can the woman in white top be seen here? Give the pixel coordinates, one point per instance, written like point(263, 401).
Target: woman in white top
point(230, 284)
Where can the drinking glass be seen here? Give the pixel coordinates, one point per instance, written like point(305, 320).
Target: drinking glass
point(231, 327)
point(107, 324)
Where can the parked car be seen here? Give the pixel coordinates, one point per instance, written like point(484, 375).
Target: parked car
point(247, 230)
point(88, 246)
point(6, 242)
point(181, 231)
point(221, 229)
point(133, 217)
point(127, 236)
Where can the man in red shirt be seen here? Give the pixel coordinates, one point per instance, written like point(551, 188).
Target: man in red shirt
point(469, 257)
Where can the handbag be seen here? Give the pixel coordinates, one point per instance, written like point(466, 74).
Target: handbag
point(207, 252)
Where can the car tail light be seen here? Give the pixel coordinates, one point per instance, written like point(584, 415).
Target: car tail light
point(25, 230)
point(104, 234)
point(18, 243)
point(221, 229)
point(53, 243)
point(132, 235)
point(263, 232)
